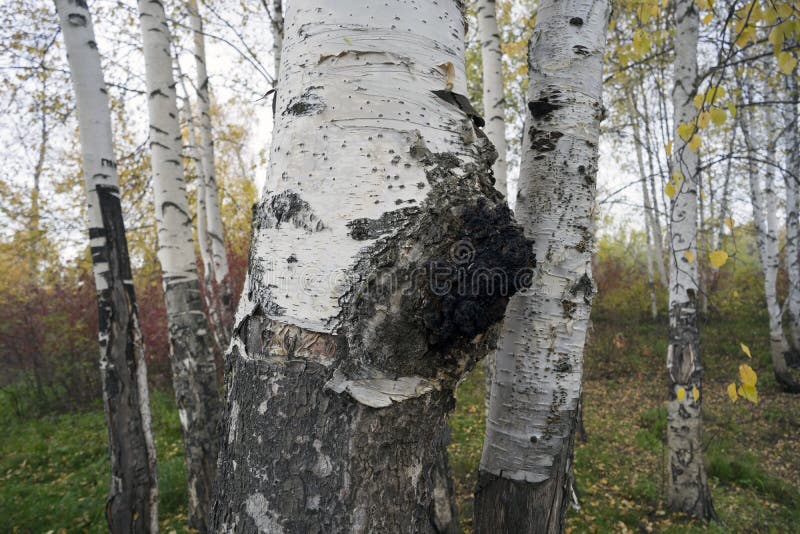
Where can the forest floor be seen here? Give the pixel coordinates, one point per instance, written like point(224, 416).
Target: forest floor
point(53, 470)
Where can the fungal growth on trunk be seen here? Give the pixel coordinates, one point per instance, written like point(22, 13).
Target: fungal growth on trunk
point(382, 259)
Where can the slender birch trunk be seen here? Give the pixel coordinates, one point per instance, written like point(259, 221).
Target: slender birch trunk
point(277, 36)
point(193, 368)
point(132, 505)
point(382, 257)
point(494, 113)
point(765, 221)
point(687, 486)
point(524, 477)
point(792, 179)
point(216, 277)
point(649, 231)
point(493, 94)
point(203, 241)
point(655, 221)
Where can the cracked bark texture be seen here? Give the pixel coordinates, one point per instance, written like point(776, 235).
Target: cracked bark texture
point(524, 479)
point(132, 505)
point(191, 358)
point(382, 259)
point(216, 273)
point(687, 484)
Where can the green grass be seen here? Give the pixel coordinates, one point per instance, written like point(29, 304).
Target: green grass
point(54, 470)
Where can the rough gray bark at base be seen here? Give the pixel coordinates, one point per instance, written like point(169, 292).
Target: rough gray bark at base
point(194, 380)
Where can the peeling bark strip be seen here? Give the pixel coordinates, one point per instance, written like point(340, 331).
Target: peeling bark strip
point(687, 487)
point(524, 476)
point(192, 361)
point(372, 285)
point(132, 505)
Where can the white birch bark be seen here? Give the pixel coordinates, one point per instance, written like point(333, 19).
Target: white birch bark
point(649, 231)
point(221, 301)
point(792, 179)
point(687, 485)
point(132, 504)
point(523, 481)
point(493, 94)
point(277, 36)
point(193, 367)
point(345, 354)
point(765, 221)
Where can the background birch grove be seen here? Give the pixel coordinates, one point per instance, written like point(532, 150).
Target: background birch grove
point(739, 121)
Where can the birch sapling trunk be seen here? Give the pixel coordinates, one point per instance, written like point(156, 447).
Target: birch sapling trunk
point(687, 484)
point(524, 477)
point(359, 313)
point(792, 179)
point(132, 505)
point(216, 277)
point(192, 360)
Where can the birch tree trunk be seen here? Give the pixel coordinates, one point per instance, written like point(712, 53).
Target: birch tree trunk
point(524, 476)
point(382, 257)
point(132, 504)
point(649, 231)
point(192, 361)
point(792, 146)
point(277, 35)
point(493, 95)
point(765, 222)
point(216, 272)
point(687, 486)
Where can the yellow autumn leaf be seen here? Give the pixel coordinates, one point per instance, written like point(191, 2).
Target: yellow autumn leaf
point(677, 177)
point(689, 255)
point(784, 9)
point(748, 392)
point(732, 392)
point(746, 350)
point(732, 109)
point(704, 119)
point(680, 393)
point(747, 375)
point(719, 116)
point(695, 393)
point(718, 258)
point(670, 190)
point(698, 100)
point(776, 37)
point(695, 143)
point(729, 222)
point(347, 41)
point(669, 149)
point(641, 44)
point(708, 18)
point(685, 131)
point(786, 62)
